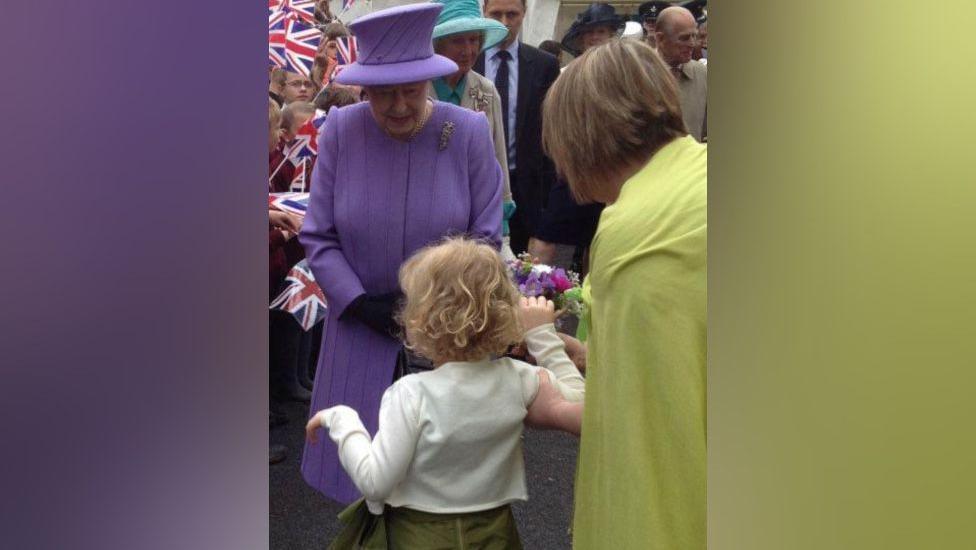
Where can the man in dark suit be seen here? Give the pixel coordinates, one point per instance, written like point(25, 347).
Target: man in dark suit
point(522, 74)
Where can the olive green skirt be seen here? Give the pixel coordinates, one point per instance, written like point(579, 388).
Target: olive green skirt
point(403, 528)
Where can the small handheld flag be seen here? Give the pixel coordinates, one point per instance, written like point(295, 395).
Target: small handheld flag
point(302, 297)
point(298, 181)
point(306, 141)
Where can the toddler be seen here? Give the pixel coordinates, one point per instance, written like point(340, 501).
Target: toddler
point(446, 461)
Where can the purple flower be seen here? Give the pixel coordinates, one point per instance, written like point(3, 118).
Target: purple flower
point(532, 286)
point(547, 282)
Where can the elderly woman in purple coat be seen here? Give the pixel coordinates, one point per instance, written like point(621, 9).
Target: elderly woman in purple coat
point(393, 174)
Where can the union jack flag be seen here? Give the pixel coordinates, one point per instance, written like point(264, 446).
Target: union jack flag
point(298, 180)
point(279, 13)
point(293, 203)
point(347, 49)
point(302, 297)
point(301, 43)
point(302, 9)
point(319, 119)
point(306, 142)
point(276, 39)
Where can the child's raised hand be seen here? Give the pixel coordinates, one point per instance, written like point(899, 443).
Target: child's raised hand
point(311, 429)
point(536, 311)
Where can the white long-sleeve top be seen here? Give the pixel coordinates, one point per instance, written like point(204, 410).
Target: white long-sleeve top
point(449, 440)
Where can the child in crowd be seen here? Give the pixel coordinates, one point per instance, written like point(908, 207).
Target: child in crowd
point(276, 85)
point(294, 116)
point(288, 370)
point(280, 172)
point(447, 456)
point(282, 228)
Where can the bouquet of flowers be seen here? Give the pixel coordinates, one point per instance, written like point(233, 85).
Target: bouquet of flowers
point(557, 284)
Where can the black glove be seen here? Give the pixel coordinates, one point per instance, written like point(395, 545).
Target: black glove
point(376, 312)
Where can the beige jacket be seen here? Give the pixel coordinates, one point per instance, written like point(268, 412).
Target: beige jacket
point(693, 88)
point(480, 95)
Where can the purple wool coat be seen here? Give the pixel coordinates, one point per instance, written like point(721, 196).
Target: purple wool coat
point(374, 201)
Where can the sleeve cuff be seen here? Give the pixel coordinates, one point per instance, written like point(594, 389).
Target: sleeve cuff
point(342, 422)
point(508, 209)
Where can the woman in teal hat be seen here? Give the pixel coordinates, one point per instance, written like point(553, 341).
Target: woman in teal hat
point(460, 35)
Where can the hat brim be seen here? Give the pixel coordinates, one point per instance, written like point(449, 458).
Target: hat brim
point(494, 32)
point(616, 22)
point(396, 73)
point(573, 34)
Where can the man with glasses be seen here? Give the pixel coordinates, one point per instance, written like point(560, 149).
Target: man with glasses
point(676, 34)
point(298, 88)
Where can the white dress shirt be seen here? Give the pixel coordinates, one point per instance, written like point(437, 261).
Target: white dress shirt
point(491, 69)
point(449, 440)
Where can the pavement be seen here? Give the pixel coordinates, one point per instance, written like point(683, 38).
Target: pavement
point(302, 518)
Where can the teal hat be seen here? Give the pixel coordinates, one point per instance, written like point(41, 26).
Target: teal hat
point(460, 16)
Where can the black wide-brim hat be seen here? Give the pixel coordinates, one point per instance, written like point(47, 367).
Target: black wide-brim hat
point(596, 14)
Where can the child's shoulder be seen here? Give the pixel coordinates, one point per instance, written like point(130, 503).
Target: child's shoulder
point(405, 388)
point(517, 364)
point(528, 379)
point(525, 371)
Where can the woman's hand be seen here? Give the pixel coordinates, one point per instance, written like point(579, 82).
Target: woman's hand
point(289, 223)
point(550, 411)
point(536, 311)
point(576, 351)
point(377, 312)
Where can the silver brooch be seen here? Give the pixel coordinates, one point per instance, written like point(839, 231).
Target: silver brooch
point(446, 131)
point(481, 99)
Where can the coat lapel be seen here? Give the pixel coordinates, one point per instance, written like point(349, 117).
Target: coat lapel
point(524, 85)
point(467, 100)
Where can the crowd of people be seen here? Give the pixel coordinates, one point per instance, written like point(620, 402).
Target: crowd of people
point(447, 148)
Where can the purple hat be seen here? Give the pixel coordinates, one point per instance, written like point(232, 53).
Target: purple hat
point(395, 47)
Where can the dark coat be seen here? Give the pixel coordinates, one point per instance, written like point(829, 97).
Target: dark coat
point(565, 221)
point(544, 207)
point(534, 174)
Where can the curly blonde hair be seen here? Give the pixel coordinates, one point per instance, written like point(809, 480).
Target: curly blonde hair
point(460, 303)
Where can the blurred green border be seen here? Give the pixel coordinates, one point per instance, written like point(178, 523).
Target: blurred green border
point(841, 276)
